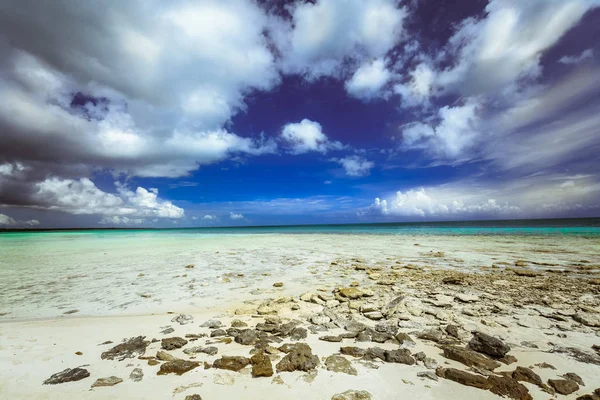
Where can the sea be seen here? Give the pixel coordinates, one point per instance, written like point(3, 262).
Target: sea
point(97, 272)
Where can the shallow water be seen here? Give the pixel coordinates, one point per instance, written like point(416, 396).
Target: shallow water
point(45, 274)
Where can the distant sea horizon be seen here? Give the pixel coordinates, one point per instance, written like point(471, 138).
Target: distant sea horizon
point(580, 226)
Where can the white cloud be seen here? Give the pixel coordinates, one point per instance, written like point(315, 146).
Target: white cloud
point(209, 217)
point(355, 165)
point(418, 89)
point(369, 80)
point(116, 220)
point(83, 197)
point(193, 63)
point(6, 220)
point(506, 45)
point(236, 216)
point(327, 182)
point(329, 32)
point(450, 137)
point(520, 197)
point(589, 53)
point(307, 135)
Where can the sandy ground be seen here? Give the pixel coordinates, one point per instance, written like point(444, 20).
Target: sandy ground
point(32, 349)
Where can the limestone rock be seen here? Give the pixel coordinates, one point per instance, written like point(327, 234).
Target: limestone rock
point(299, 358)
point(183, 319)
point(587, 319)
point(232, 363)
point(505, 386)
point(131, 348)
point(236, 323)
point(351, 293)
point(110, 381)
point(278, 284)
point(261, 365)
point(193, 397)
point(67, 375)
point(462, 377)
point(178, 367)
point(574, 377)
point(489, 345)
point(136, 375)
point(563, 386)
point(211, 324)
point(353, 395)
point(173, 343)
point(247, 337)
point(428, 374)
point(164, 356)
point(401, 356)
point(470, 358)
point(338, 363)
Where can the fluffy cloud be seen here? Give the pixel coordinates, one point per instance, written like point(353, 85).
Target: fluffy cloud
point(368, 81)
point(418, 89)
point(506, 45)
point(77, 99)
point(326, 34)
point(524, 197)
point(306, 136)
point(589, 53)
point(209, 217)
point(450, 137)
point(116, 220)
point(236, 216)
point(6, 220)
point(355, 165)
point(82, 197)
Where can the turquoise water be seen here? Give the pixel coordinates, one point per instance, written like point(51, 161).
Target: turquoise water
point(580, 227)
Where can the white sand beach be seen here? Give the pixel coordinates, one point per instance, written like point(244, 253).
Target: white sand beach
point(538, 296)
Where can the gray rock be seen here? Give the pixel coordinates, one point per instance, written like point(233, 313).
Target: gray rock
point(218, 333)
point(298, 333)
point(67, 375)
point(136, 375)
point(338, 363)
point(434, 334)
point(183, 319)
point(470, 358)
point(489, 345)
point(109, 381)
point(130, 348)
point(247, 337)
point(400, 356)
point(427, 374)
point(173, 343)
point(563, 386)
point(211, 324)
point(353, 395)
point(299, 358)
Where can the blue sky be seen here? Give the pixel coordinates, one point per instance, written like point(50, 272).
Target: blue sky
point(219, 113)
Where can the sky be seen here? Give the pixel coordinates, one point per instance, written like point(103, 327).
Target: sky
point(241, 112)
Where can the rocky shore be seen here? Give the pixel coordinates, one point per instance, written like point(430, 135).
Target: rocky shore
point(506, 330)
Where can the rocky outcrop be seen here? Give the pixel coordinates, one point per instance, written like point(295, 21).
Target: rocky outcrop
point(489, 345)
point(178, 367)
point(299, 358)
point(67, 375)
point(130, 348)
point(261, 365)
point(232, 363)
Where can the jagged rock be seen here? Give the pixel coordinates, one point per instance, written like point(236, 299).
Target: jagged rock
point(173, 343)
point(211, 324)
point(247, 337)
point(430, 363)
point(353, 351)
point(428, 374)
point(193, 397)
point(330, 338)
point(507, 387)
point(373, 353)
point(183, 319)
point(374, 315)
point(131, 348)
point(470, 358)
point(578, 354)
point(178, 367)
point(136, 375)
point(210, 350)
point(232, 363)
point(524, 374)
point(299, 358)
point(337, 363)
point(434, 334)
point(298, 333)
point(167, 330)
point(489, 345)
point(404, 339)
point(453, 280)
point(110, 381)
point(401, 356)
point(574, 377)
point(236, 323)
point(588, 397)
point(261, 365)
point(563, 386)
point(353, 395)
point(453, 330)
point(67, 375)
point(319, 319)
point(587, 319)
point(164, 356)
point(351, 293)
point(462, 377)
